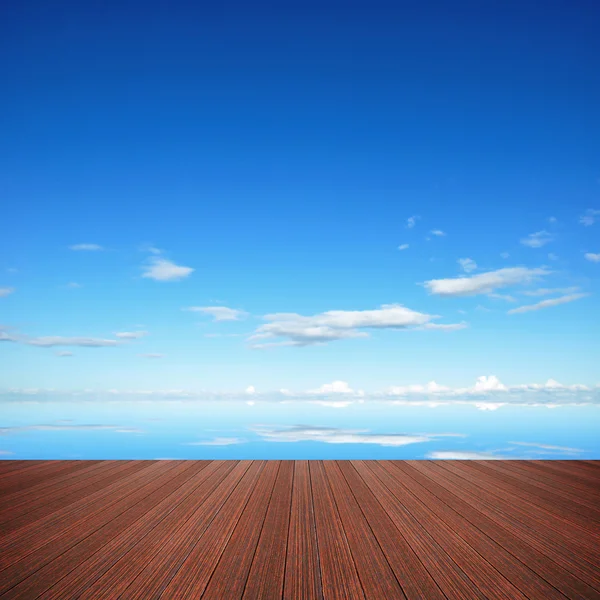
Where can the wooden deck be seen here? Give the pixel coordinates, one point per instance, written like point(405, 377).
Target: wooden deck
point(433, 530)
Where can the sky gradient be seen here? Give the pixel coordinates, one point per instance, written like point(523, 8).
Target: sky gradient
point(326, 203)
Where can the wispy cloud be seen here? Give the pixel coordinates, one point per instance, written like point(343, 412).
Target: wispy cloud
point(131, 335)
point(445, 327)
point(547, 303)
point(86, 247)
point(504, 254)
point(302, 330)
point(549, 447)
point(57, 340)
point(403, 247)
point(220, 441)
point(552, 256)
point(484, 283)
point(537, 239)
point(437, 232)
point(219, 313)
point(412, 221)
point(467, 264)
point(67, 427)
point(550, 291)
point(64, 354)
point(458, 455)
point(589, 217)
point(333, 435)
point(6, 292)
point(161, 269)
point(592, 257)
point(152, 355)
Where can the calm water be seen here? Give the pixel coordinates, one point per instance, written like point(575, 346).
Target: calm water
point(293, 430)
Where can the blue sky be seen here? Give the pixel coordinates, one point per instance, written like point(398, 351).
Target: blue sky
point(331, 200)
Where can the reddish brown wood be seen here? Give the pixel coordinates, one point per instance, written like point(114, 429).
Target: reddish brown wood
point(300, 530)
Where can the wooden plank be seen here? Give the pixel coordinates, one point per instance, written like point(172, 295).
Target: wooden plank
point(62, 564)
point(146, 571)
point(524, 526)
point(417, 583)
point(449, 577)
point(30, 476)
point(554, 490)
point(473, 507)
point(200, 481)
point(267, 572)
point(44, 505)
point(139, 487)
point(543, 495)
point(302, 572)
point(376, 576)
point(195, 571)
point(499, 488)
point(338, 570)
point(426, 530)
point(231, 573)
point(12, 501)
point(529, 582)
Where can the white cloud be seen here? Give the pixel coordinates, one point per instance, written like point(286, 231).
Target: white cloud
point(552, 220)
point(458, 455)
point(250, 390)
point(6, 292)
point(333, 435)
point(549, 447)
point(489, 384)
point(467, 264)
point(220, 441)
point(547, 303)
point(589, 217)
point(161, 269)
point(403, 247)
point(504, 254)
point(552, 256)
point(505, 297)
point(550, 291)
point(57, 340)
point(86, 247)
point(152, 355)
point(445, 327)
point(437, 232)
point(72, 285)
point(412, 221)
point(489, 406)
point(130, 335)
point(592, 257)
point(484, 283)
point(219, 313)
point(336, 387)
point(337, 324)
point(65, 353)
point(537, 239)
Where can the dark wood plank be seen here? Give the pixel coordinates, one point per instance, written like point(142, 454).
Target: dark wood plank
point(267, 572)
point(417, 583)
point(302, 572)
point(197, 561)
point(64, 563)
point(529, 582)
point(201, 481)
point(426, 530)
point(173, 544)
point(46, 504)
point(524, 525)
point(231, 573)
point(453, 581)
point(338, 570)
point(376, 576)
